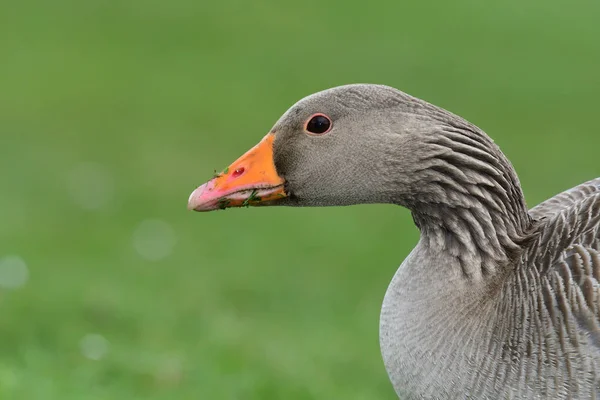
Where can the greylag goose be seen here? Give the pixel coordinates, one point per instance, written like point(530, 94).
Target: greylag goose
point(495, 301)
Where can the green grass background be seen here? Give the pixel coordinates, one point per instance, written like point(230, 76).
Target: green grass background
point(250, 303)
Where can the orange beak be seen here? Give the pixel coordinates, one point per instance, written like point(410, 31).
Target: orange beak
point(251, 180)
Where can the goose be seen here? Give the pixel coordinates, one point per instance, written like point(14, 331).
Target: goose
point(495, 301)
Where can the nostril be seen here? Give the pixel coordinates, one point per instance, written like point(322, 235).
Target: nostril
point(238, 172)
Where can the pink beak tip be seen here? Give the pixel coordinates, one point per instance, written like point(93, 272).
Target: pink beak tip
point(196, 200)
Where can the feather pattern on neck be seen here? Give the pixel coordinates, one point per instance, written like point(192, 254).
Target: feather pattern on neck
point(467, 201)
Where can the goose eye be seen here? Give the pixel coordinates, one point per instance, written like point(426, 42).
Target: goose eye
point(318, 124)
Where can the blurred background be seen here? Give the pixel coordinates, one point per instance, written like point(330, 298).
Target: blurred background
point(112, 112)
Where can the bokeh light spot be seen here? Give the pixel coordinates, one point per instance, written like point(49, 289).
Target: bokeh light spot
point(13, 272)
point(170, 371)
point(154, 239)
point(91, 186)
point(94, 346)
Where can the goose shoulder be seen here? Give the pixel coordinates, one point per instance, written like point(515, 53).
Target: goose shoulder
point(570, 219)
point(566, 255)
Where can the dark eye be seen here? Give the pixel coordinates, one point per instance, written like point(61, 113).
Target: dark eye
point(318, 124)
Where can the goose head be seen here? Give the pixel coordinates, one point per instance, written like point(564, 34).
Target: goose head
point(352, 144)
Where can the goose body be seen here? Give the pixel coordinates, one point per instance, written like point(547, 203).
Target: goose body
point(496, 301)
point(533, 334)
